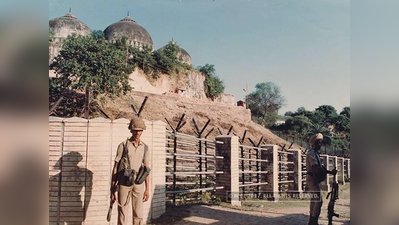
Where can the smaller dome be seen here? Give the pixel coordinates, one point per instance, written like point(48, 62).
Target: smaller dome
point(183, 55)
point(127, 27)
point(67, 25)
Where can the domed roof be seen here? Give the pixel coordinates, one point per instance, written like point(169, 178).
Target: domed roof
point(68, 24)
point(185, 57)
point(182, 55)
point(126, 27)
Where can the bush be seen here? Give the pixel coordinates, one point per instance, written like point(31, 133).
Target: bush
point(213, 85)
point(210, 198)
point(347, 178)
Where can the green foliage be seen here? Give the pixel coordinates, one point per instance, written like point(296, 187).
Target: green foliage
point(265, 102)
point(144, 60)
point(97, 34)
point(213, 85)
point(210, 198)
point(164, 60)
point(88, 62)
point(346, 111)
point(327, 114)
point(50, 35)
point(324, 119)
point(342, 123)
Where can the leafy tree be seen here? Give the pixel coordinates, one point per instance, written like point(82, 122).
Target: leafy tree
point(166, 58)
point(91, 64)
point(143, 58)
point(265, 102)
point(301, 111)
point(213, 85)
point(329, 114)
point(289, 113)
point(317, 117)
point(346, 112)
point(342, 123)
point(98, 34)
point(300, 125)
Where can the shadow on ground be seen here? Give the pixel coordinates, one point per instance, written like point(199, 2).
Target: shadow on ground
point(204, 214)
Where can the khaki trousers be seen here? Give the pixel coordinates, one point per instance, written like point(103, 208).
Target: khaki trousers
point(135, 196)
point(316, 201)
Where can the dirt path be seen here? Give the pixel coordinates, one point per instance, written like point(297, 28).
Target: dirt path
point(268, 213)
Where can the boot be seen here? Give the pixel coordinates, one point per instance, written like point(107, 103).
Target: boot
point(313, 220)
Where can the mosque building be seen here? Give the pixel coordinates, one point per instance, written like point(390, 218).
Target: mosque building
point(137, 35)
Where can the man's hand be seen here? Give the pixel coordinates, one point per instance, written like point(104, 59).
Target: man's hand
point(333, 172)
point(146, 195)
point(113, 197)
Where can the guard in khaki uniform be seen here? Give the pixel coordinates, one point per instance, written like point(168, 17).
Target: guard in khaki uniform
point(316, 173)
point(131, 156)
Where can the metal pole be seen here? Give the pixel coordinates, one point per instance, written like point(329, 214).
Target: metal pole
point(242, 169)
point(257, 169)
point(174, 168)
point(200, 160)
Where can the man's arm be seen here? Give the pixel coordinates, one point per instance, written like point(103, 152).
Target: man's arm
point(114, 179)
point(319, 169)
point(147, 182)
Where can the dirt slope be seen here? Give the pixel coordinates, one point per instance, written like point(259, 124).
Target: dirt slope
point(159, 107)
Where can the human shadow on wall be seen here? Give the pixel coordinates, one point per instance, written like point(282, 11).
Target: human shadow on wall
point(70, 182)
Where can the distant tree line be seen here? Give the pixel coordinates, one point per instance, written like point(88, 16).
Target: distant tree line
point(302, 123)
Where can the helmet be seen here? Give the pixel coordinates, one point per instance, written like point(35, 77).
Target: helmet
point(136, 124)
point(315, 137)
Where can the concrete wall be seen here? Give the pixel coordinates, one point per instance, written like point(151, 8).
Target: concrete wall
point(192, 84)
point(81, 156)
point(226, 99)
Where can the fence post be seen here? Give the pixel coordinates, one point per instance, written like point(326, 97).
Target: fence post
point(272, 167)
point(325, 185)
point(348, 169)
point(297, 159)
point(341, 170)
point(158, 165)
point(229, 165)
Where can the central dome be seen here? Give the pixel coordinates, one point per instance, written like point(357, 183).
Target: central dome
point(126, 27)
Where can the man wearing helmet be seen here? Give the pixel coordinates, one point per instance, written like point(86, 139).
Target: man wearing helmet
point(316, 173)
point(131, 156)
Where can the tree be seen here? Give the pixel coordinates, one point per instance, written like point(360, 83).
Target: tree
point(329, 114)
point(289, 113)
point(346, 111)
point(300, 125)
point(90, 64)
point(98, 34)
point(213, 85)
point(166, 58)
point(265, 102)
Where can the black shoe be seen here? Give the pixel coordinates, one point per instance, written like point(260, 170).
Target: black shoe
point(313, 221)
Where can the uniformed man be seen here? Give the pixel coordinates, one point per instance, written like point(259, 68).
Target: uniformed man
point(134, 152)
point(316, 173)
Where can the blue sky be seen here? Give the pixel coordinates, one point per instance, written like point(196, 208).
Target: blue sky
point(303, 46)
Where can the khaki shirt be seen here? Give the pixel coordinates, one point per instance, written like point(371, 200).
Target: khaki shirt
point(312, 158)
point(136, 155)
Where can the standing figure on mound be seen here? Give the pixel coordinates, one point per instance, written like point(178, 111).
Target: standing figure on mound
point(130, 170)
point(316, 173)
